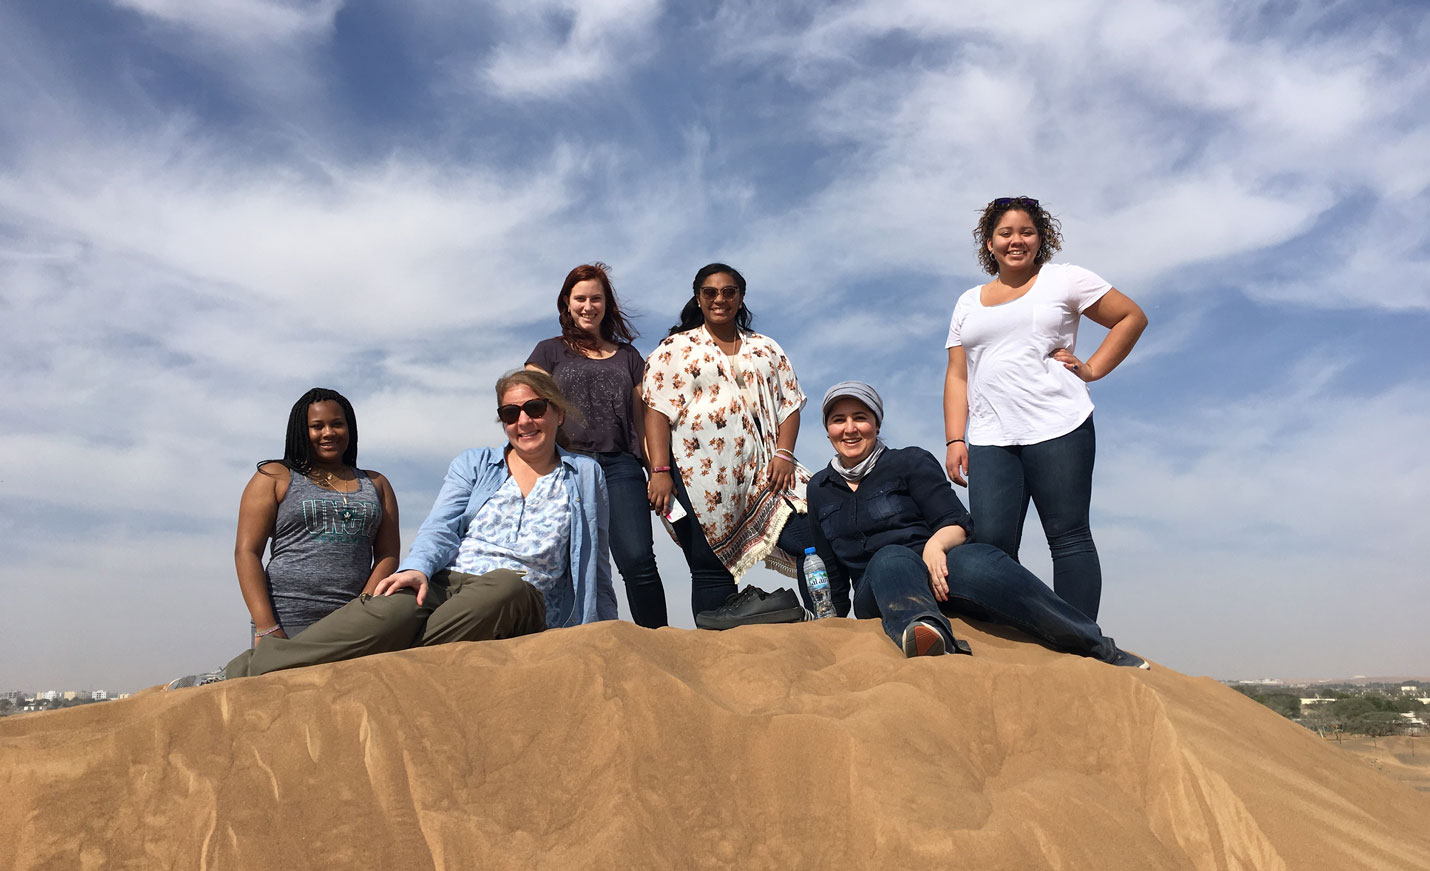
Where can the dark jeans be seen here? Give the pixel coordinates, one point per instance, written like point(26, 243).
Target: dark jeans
point(631, 544)
point(711, 583)
point(1057, 476)
point(983, 583)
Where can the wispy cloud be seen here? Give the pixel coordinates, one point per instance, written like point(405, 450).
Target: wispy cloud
point(553, 46)
point(1207, 139)
point(246, 21)
point(1291, 511)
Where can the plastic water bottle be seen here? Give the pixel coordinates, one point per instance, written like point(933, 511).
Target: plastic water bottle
point(816, 579)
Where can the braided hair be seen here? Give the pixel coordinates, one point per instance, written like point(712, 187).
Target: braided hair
point(298, 448)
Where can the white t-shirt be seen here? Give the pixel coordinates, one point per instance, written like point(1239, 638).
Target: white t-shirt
point(1017, 393)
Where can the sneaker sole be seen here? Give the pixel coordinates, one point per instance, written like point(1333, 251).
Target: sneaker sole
point(923, 641)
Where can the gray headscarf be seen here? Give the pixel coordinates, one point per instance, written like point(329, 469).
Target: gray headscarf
point(870, 397)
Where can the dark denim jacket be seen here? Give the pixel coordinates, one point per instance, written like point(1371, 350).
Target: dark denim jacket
point(905, 500)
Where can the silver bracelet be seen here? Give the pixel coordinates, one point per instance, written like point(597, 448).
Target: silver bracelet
point(269, 631)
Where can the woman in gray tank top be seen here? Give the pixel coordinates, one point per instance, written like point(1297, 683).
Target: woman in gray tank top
point(333, 527)
point(331, 532)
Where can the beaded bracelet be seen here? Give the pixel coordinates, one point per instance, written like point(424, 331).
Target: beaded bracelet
point(269, 631)
point(655, 469)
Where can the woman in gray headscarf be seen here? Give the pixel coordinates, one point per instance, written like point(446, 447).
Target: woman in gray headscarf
point(888, 520)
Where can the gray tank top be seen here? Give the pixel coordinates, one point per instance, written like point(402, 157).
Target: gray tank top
point(321, 553)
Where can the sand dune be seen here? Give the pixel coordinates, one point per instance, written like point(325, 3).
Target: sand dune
point(610, 746)
point(1402, 758)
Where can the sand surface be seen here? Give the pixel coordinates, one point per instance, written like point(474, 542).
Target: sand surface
point(1402, 758)
point(610, 746)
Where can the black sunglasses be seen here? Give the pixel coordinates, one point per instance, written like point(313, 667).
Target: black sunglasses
point(1015, 201)
point(534, 408)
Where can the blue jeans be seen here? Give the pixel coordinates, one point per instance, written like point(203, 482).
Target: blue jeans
point(711, 583)
point(631, 544)
point(983, 583)
point(1057, 476)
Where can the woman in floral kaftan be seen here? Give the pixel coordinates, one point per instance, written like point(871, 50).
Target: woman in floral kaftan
point(722, 417)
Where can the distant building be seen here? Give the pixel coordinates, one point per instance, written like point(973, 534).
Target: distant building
point(100, 695)
point(13, 696)
point(48, 696)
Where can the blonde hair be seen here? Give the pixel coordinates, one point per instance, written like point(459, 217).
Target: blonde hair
point(542, 385)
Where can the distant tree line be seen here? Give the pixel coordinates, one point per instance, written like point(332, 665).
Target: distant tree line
point(9, 706)
point(1364, 713)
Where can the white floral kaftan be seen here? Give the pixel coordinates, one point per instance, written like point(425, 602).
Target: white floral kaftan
point(722, 439)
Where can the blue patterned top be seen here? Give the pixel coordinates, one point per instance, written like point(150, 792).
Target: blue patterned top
point(474, 478)
point(530, 535)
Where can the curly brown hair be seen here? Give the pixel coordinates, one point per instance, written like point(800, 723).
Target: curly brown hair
point(1050, 234)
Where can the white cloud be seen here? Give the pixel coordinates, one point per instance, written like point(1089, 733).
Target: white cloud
point(400, 245)
point(250, 21)
point(1296, 509)
point(267, 55)
point(1163, 134)
point(550, 47)
point(1376, 261)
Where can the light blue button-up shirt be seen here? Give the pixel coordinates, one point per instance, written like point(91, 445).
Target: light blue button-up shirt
point(474, 477)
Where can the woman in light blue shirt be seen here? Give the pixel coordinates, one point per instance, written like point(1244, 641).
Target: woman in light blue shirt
point(517, 539)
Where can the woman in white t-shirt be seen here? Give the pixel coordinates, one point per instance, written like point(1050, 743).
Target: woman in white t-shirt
point(1017, 414)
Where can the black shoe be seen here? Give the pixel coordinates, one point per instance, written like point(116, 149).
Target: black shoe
point(753, 606)
point(1129, 660)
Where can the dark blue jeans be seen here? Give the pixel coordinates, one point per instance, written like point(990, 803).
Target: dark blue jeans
point(1057, 476)
point(711, 583)
point(631, 544)
point(983, 583)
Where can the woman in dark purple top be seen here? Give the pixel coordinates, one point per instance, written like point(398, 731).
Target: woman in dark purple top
point(600, 372)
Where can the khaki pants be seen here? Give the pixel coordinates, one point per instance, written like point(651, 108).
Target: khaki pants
point(459, 607)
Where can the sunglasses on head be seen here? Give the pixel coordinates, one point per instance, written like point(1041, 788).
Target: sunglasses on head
point(1015, 201)
point(534, 408)
point(709, 293)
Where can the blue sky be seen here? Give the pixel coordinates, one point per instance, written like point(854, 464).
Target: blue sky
point(207, 208)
